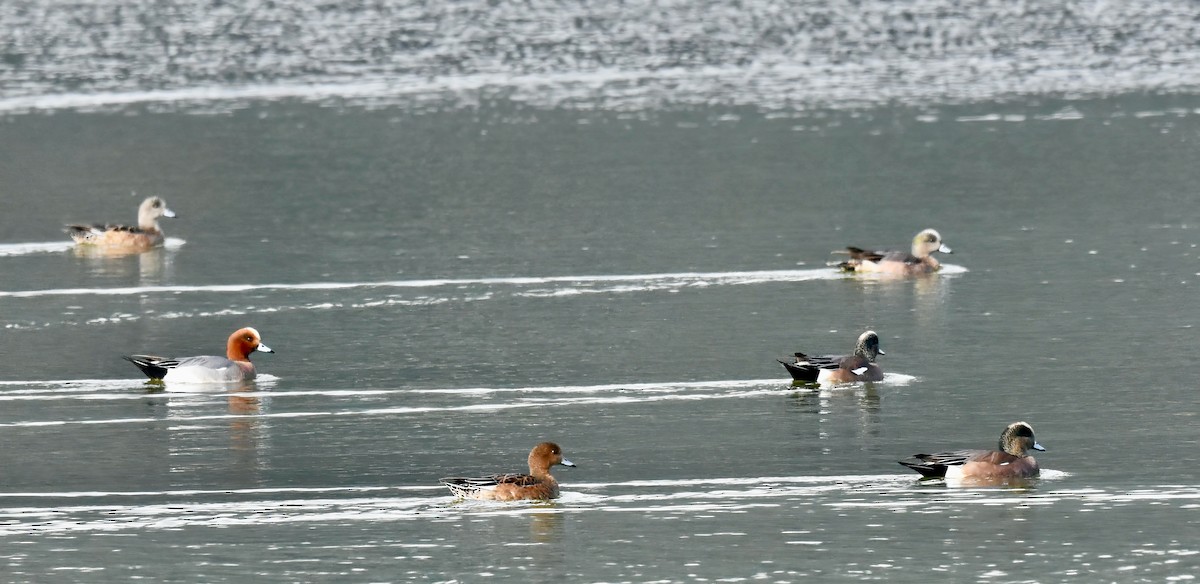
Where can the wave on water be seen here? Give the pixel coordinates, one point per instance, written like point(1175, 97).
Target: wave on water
point(305, 296)
point(608, 395)
point(21, 249)
point(17, 249)
point(264, 386)
point(635, 282)
point(121, 511)
point(593, 56)
point(129, 303)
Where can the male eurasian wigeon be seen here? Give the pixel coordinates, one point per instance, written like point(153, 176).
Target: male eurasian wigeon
point(146, 235)
point(898, 263)
point(838, 368)
point(233, 367)
point(538, 484)
point(1009, 463)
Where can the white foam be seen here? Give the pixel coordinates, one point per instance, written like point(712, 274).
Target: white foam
point(220, 492)
point(739, 390)
point(682, 278)
point(219, 508)
point(17, 249)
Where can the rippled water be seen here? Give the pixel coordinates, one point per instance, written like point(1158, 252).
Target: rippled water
point(628, 56)
point(467, 228)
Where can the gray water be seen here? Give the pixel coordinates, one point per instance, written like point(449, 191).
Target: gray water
point(608, 251)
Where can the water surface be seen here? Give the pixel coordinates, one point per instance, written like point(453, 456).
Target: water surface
point(447, 284)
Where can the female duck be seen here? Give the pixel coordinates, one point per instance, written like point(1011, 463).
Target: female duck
point(898, 263)
point(538, 484)
point(146, 235)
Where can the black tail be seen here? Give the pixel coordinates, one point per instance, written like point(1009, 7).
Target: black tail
point(148, 365)
point(801, 372)
point(927, 469)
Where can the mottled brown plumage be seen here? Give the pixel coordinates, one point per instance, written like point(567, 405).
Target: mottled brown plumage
point(146, 235)
point(538, 484)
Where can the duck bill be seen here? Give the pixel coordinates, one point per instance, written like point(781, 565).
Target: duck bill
point(168, 213)
point(264, 349)
point(566, 462)
point(945, 249)
point(1039, 447)
point(880, 351)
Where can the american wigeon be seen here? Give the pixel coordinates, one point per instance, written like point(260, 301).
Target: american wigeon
point(233, 367)
point(146, 235)
point(898, 263)
point(538, 484)
point(1009, 463)
point(837, 368)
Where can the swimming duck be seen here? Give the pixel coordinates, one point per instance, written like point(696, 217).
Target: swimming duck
point(1011, 461)
point(831, 369)
point(538, 484)
point(233, 367)
point(146, 235)
point(898, 263)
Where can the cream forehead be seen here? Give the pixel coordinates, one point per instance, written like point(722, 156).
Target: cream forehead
point(1018, 426)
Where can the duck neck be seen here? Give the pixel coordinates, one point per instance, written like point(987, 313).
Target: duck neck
point(235, 350)
point(148, 222)
point(541, 471)
point(1012, 447)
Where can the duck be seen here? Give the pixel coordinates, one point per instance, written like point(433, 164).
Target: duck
point(146, 235)
point(234, 367)
point(834, 369)
point(919, 260)
point(536, 485)
point(1010, 463)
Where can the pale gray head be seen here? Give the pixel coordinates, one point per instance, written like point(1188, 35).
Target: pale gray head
point(927, 242)
point(868, 346)
point(150, 210)
point(1018, 439)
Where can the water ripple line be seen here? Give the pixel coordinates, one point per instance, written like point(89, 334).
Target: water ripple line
point(680, 278)
point(259, 506)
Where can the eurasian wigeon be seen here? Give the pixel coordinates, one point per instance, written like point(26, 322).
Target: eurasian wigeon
point(838, 368)
point(538, 484)
point(1009, 463)
point(146, 235)
point(233, 367)
point(898, 263)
